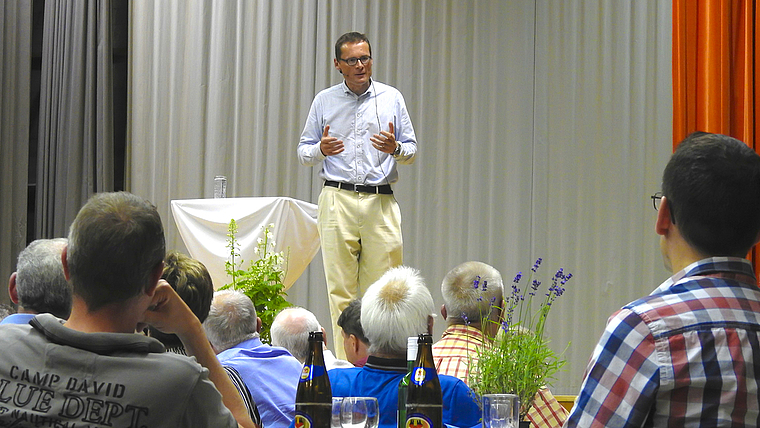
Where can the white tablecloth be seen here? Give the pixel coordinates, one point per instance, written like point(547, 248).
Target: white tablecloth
point(203, 224)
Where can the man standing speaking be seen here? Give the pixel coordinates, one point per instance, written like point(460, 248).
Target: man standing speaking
point(359, 130)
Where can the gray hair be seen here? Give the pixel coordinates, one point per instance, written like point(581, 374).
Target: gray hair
point(395, 307)
point(40, 282)
point(231, 320)
point(291, 328)
point(470, 292)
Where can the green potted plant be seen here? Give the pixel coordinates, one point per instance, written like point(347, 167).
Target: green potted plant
point(519, 360)
point(262, 281)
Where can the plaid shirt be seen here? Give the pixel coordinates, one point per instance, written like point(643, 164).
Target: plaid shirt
point(452, 355)
point(687, 355)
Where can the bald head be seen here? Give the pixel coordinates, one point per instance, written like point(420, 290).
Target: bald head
point(291, 328)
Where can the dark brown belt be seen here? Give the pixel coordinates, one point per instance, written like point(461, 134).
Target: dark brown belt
point(385, 189)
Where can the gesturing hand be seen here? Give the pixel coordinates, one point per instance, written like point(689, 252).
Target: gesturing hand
point(330, 145)
point(386, 141)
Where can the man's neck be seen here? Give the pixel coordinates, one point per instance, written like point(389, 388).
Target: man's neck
point(358, 90)
point(111, 318)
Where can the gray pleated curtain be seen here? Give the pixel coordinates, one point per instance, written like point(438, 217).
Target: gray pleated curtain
point(76, 112)
point(15, 65)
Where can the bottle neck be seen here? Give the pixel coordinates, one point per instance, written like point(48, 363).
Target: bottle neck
point(424, 352)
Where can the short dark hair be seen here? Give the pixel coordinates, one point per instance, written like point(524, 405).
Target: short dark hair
point(40, 283)
point(712, 183)
point(352, 37)
point(350, 320)
point(190, 278)
point(116, 243)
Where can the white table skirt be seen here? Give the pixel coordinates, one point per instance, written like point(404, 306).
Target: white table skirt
point(203, 225)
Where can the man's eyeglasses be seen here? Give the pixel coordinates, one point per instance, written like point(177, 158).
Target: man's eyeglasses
point(656, 200)
point(352, 61)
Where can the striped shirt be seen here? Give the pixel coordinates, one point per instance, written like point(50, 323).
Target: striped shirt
point(458, 348)
point(242, 389)
point(687, 355)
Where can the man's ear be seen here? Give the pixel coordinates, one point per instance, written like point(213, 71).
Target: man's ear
point(324, 335)
point(444, 314)
point(65, 262)
point(258, 325)
point(12, 288)
point(663, 223)
point(431, 321)
point(354, 343)
point(154, 277)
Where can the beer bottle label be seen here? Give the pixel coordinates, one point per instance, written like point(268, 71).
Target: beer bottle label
point(418, 420)
point(302, 420)
point(311, 372)
point(420, 375)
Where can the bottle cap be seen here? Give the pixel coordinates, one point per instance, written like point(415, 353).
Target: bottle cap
point(411, 348)
point(425, 338)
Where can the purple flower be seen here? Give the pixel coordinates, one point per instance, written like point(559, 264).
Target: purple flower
point(537, 264)
point(476, 282)
point(485, 285)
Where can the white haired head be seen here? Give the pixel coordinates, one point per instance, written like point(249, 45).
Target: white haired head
point(471, 292)
point(395, 307)
point(231, 320)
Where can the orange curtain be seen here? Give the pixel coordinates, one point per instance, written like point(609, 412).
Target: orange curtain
point(716, 62)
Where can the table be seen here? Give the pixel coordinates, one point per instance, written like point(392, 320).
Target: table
point(203, 226)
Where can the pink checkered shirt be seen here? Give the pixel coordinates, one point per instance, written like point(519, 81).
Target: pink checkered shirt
point(457, 349)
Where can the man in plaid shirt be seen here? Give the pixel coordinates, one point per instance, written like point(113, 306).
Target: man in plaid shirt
point(687, 355)
point(473, 291)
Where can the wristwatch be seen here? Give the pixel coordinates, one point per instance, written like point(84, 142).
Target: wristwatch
point(398, 149)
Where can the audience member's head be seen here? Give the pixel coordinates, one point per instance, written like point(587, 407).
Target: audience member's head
point(291, 328)
point(116, 249)
point(39, 284)
point(472, 292)
point(231, 320)
point(711, 187)
point(395, 307)
point(355, 343)
point(193, 284)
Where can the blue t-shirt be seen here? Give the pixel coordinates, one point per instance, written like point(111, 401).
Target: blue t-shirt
point(380, 377)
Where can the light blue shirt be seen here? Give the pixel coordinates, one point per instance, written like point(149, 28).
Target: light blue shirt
point(354, 119)
point(17, 319)
point(271, 374)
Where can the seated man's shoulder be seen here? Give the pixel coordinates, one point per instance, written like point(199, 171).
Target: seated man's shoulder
point(452, 383)
point(346, 374)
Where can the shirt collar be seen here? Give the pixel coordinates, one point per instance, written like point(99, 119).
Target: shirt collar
point(739, 268)
point(389, 364)
point(370, 90)
point(463, 330)
point(99, 343)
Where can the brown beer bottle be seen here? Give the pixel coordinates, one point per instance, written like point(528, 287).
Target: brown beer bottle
point(314, 395)
point(424, 402)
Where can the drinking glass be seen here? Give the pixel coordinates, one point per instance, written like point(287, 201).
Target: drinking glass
point(336, 404)
point(359, 412)
point(501, 411)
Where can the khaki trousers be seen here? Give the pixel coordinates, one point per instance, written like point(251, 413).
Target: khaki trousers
point(361, 239)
